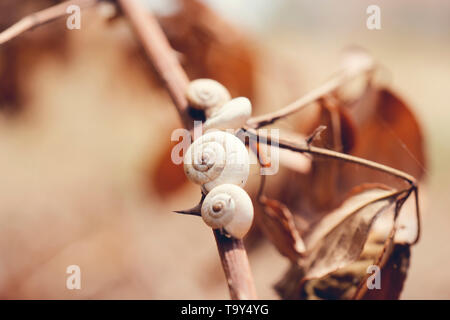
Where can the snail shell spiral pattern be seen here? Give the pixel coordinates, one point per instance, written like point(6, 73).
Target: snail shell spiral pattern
point(208, 95)
point(230, 208)
point(217, 158)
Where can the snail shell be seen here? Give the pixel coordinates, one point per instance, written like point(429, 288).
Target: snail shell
point(232, 115)
point(208, 95)
point(230, 208)
point(216, 158)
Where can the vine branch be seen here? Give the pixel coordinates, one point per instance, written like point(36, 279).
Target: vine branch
point(307, 148)
point(311, 97)
point(232, 252)
point(161, 54)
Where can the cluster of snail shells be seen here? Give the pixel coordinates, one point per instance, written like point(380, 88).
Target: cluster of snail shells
point(218, 161)
point(221, 111)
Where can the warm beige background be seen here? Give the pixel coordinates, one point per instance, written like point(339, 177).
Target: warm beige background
point(71, 166)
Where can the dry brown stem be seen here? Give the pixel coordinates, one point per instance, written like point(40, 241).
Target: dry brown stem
point(311, 97)
point(232, 252)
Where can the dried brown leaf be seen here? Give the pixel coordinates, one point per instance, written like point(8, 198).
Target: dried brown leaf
point(344, 242)
point(349, 281)
point(324, 174)
point(393, 274)
point(393, 262)
point(277, 223)
point(359, 197)
point(408, 226)
point(387, 122)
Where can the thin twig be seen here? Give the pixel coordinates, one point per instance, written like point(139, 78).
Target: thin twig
point(236, 267)
point(161, 55)
point(316, 134)
point(196, 210)
point(41, 17)
point(313, 96)
point(305, 148)
point(232, 252)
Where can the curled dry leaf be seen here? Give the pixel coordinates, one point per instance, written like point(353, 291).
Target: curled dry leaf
point(357, 199)
point(324, 174)
point(377, 118)
point(382, 119)
point(350, 282)
point(394, 273)
point(385, 121)
point(377, 126)
point(277, 224)
point(345, 232)
point(408, 226)
point(342, 245)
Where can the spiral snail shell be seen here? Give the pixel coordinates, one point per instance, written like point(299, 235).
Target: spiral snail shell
point(208, 95)
point(230, 208)
point(216, 158)
point(232, 115)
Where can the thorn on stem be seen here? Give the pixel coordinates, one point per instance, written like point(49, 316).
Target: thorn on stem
point(315, 135)
point(195, 211)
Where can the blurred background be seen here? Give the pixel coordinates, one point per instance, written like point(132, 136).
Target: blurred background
point(85, 131)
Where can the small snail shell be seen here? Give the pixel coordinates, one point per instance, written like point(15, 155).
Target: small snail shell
point(232, 115)
point(216, 158)
point(208, 95)
point(230, 208)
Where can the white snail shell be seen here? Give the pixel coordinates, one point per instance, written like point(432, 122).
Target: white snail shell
point(230, 208)
point(208, 95)
point(216, 158)
point(232, 115)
